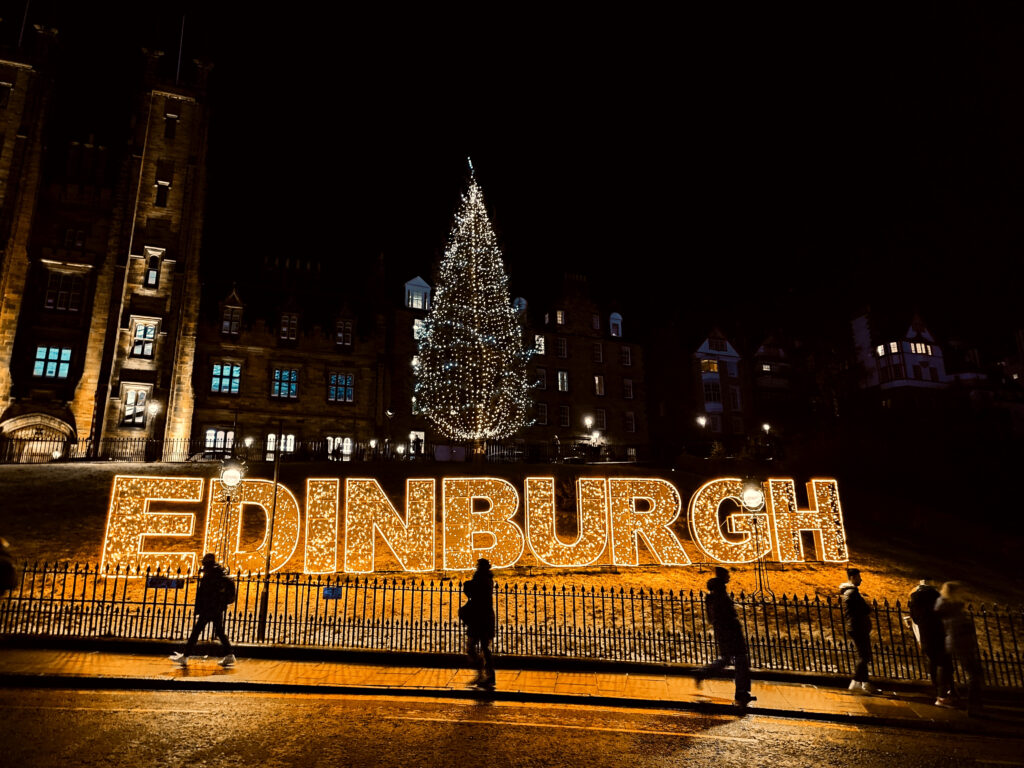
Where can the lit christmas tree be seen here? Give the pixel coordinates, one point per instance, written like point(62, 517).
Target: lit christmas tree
point(471, 378)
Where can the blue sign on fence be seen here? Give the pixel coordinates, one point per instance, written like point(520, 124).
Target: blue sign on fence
point(164, 582)
point(332, 593)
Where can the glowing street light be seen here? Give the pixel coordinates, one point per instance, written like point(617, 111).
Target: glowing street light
point(702, 421)
point(752, 499)
point(766, 427)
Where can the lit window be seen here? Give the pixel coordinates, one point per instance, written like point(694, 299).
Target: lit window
point(339, 448)
point(559, 317)
point(615, 324)
point(542, 413)
point(542, 378)
point(626, 356)
point(134, 412)
point(595, 321)
point(563, 381)
point(538, 344)
point(894, 347)
point(231, 321)
point(630, 421)
point(561, 347)
point(597, 353)
point(64, 292)
point(599, 385)
point(766, 367)
point(289, 326)
point(563, 415)
point(285, 383)
point(341, 388)
point(343, 333)
point(709, 366)
point(627, 389)
point(52, 362)
point(880, 350)
point(226, 377)
point(712, 392)
point(151, 275)
point(600, 419)
point(285, 443)
point(142, 339)
point(219, 440)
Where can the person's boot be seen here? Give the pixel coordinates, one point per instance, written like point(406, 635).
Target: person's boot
point(228, 661)
point(179, 658)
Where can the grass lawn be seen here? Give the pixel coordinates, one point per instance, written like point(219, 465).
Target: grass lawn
point(58, 512)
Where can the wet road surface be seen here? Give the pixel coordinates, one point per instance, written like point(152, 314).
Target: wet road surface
point(193, 728)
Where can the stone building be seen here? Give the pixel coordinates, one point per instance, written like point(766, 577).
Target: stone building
point(100, 265)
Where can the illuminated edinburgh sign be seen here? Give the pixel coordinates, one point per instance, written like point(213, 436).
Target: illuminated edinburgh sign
point(479, 517)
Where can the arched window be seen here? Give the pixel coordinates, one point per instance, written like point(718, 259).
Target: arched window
point(615, 324)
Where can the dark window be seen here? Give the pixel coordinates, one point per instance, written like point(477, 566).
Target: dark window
point(626, 355)
point(542, 378)
point(563, 415)
point(717, 345)
point(161, 195)
point(5, 94)
point(285, 383)
point(52, 362)
point(64, 292)
point(170, 127)
point(142, 342)
point(597, 352)
point(600, 418)
point(341, 388)
point(627, 389)
point(289, 326)
point(343, 333)
point(226, 377)
point(630, 419)
point(542, 413)
point(712, 392)
point(231, 321)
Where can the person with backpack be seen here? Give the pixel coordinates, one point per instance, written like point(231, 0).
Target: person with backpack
point(857, 613)
point(961, 642)
point(478, 616)
point(215, 593)
point(931, 635)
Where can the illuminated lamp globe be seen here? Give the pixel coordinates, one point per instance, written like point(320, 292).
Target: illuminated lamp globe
point(752, 497)
point(231, 476)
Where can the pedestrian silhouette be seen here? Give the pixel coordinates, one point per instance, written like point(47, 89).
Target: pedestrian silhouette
point(478, 616)
point(9, 578)
point(931, 635)
point(857, 613)
point(961, 643)
point(732, 646)
point(215, 593)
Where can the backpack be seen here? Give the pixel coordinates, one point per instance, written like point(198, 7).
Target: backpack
point(226, 591)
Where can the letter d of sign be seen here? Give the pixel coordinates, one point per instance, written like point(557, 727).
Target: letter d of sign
point(260, 493)
point(462, 525)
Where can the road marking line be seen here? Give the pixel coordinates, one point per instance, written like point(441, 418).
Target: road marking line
point(643, 731)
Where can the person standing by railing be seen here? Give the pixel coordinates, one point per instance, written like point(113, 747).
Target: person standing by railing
point(931, 635)
point(215, 593)
point(858, 624)
point(961, 643)
point(478, 616)
point(732, 646)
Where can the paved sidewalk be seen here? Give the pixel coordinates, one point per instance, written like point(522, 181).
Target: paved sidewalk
point(100, 669)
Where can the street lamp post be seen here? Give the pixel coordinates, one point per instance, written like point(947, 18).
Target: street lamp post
point(231, 474)
point(261, 632)
point(752, 499)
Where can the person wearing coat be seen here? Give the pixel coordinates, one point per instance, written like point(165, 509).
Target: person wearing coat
point(931, 634)
point(961, 643)
point(857, 613)
point(479, 620)
point(732, 646)
point(209, 607)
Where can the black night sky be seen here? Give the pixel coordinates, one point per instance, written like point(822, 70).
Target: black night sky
point(762, 167)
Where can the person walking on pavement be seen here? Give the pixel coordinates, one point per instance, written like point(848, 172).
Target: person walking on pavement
point(478, 616)
point(931, 634)
point(961, 643)
point(857, 613)
point(215, 593)
point(732, 646)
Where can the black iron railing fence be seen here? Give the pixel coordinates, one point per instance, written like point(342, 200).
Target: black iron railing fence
point(399, 614)
point(42, 451)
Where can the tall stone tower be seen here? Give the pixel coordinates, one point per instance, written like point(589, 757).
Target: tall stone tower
point(25, 84)
point(138, 369)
